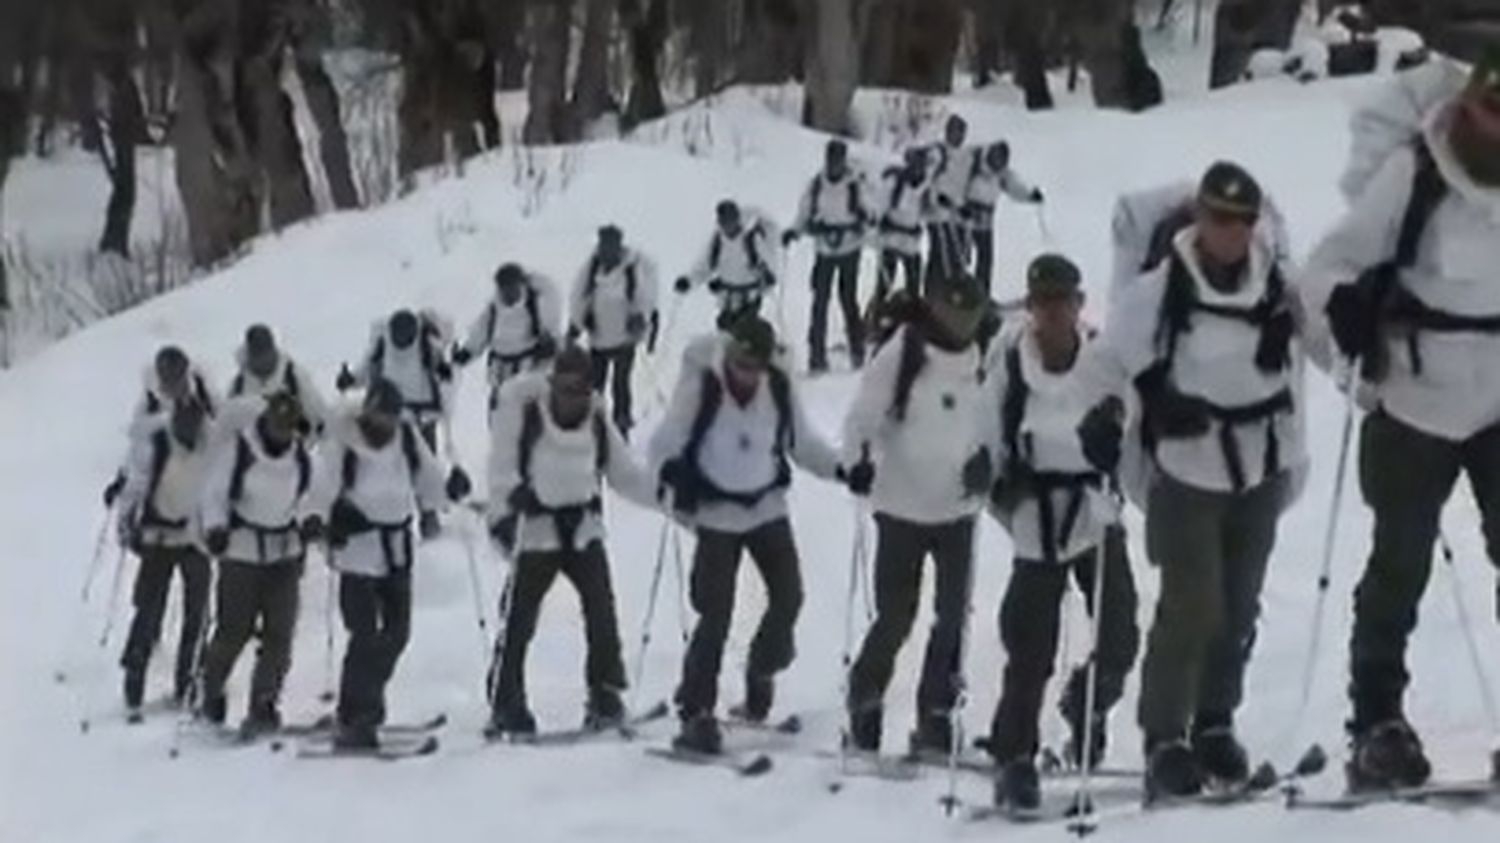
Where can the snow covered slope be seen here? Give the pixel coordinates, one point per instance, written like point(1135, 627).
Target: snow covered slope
point(320, 285)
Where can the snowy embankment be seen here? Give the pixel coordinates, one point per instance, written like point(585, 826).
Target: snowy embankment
point(61, 433)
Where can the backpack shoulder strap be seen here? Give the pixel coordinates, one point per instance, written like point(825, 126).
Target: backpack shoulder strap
point(631, 282)
point(532, 311)
point(711, 395)
point(531, 432)
point(409, 449)
point(1175, 314)
point(751, 250)
point(161, 451)
point(913, 358)
point(592, 284)
point(715, 250)
point(237, 386)
point(1013, 404)
point(349, 471)
point(1428, 189)
point(304, 469)
point(204, 398)
point(293, 388)
point(781, 395)
point(243, 459)
point(601, 442)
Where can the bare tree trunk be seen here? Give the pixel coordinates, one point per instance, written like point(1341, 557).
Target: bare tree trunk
point(273, 138)
point(507, 25)
point(1243, 26)
point(987, 19)
point(1024, 28)
point(214, 178)
point(647, 23)
point(126, 126)
point(546, 97)
point(448, 90)
point(1109, 47)
point(12, 143)
point(772, 48)
point(591, 85)
point(707, 44)
point(833, 62)
point(333, 142)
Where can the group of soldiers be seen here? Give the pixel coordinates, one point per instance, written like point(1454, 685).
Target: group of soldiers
point(1188, 403)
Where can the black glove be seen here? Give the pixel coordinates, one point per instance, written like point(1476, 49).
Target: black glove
point(522, 499)
point(789, 237)
point(860, 477)
point(682, 479)
point(504, 534)
point(461, 355)
point(313, 529)
point(545, 348)
point(716, 286)
point(345, 380)
point(767, 279)
point(345, 520)
point(978, 473)
point(1036, 196)
point(635, 326)
point(217, 541)
point(1354, 316)
point(1171, 414)
point(113, 489)
point(682, 285)
point(443, 371)
point(574, 332)
point(459, 486)
point(1101, 433)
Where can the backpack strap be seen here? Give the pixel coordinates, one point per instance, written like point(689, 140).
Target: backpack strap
point(531, 311)
point(913, 359)
point(1428, 190)
point(856, 207)
point(377, 359)
point(410, 450)
point(531, 432)
point(1013, 404)
point(711, 396)
point(601, 443)
point(201, 389)
point(715, 250)
point(304, 469)
point(632, 282)
point(243, 459)
point(237, 386)
point(161, 451)
point(781, 395)
point(752, 250)
point(289, 381)
point(349, 471)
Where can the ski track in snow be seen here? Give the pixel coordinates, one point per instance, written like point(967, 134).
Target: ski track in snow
point(62, 417)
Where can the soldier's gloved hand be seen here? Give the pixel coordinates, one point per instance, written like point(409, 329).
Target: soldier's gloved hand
point(860, 478)
point(113, 489)
point(1172, 414)
point(345, 380)
point(574, 332)
point(546, 347)
point(1101, 433)
point(716, 286)
point(459, 486)
point(1353, 311)
point(682, 284)
point(522, 499)
point(127, 529)
point(504, 534)
point(1036, 196)
point(790, 236)
point(635, 326)
point(217, 541)
point(313, 529)
point(461, 355)
point(978, 473)
point(443, 371)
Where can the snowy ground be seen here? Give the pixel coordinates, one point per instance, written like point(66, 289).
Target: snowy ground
point(61, 433)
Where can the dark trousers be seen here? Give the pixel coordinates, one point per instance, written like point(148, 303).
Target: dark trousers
point(588, 571)
point(983, 244)
point(377, 616)
point(1212, 549)
point(1029, 624)
point(619, 362)
point(152, 582)
point(946, 251)
point(901, 549)
point(910, 266)
point(825, 268)
point(1406, 477)
point(716, 563)
point(249, 594)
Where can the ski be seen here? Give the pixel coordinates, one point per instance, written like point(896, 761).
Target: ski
point(871, 765)
point(628, 730)
point(745, 764)
point(394, 749)
point(328, 722)
point(789, 725)
point(1456, 793)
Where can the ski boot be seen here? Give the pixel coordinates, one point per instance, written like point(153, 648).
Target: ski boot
point(1172, 770)
point(700, 734)
point(864, 728)
point(1387, 755)
point(1220, 755)
point(214, 709)
point(605, 710)
point(135, 692)
point(933, 735)
point(352, 736)
point(1019, 787)
point(511, 721)
point(759, 693)
point(262, 719)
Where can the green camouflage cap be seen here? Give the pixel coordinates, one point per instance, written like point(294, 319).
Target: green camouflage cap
point(1051, 276)
point(1228, 189)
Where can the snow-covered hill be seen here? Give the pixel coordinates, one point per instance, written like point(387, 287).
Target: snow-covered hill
point(61, 433)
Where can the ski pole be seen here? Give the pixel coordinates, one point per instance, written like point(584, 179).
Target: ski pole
point(98, 557)
point(1083, 800)
point(69, 648)
point(656, 572)
point(189, 713)
point(330, 595)
point(1041, 224)
point(114, 599)
point(475, 589)
point(1486, 692)
point(1325, 571)
point(682, 585)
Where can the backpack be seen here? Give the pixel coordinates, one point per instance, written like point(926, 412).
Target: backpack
point(531, 433)
point(532, 314)
point(716, 248)
point(712, 397)
point(200, 391)
point(288, 383)
point(856, 207)
point(244, 458)
point(592, 284)
point(425, 339)
point(349, 471)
